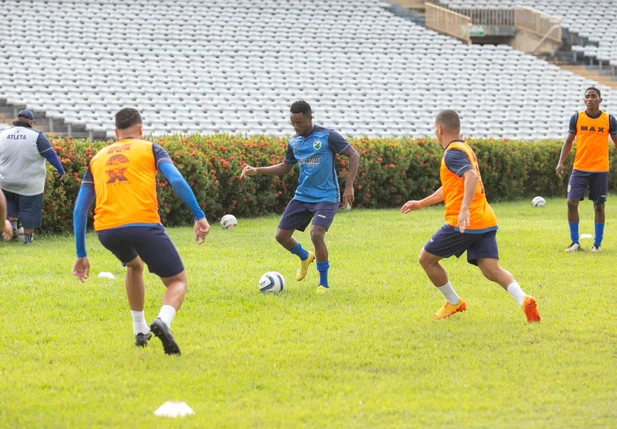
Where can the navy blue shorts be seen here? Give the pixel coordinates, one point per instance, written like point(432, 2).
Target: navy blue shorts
point(150, 243)
point(447, 242)
point(596, 182)
point(298, 215)
point(28, 208)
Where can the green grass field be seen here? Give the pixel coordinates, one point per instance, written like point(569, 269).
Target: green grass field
point(367, 355)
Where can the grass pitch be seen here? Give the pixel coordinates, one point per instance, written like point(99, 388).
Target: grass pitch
point(367, 355)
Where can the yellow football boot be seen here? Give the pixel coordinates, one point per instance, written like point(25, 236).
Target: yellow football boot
point(448, 310)
point(301, 273)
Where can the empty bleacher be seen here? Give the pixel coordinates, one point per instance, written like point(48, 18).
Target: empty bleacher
point(593, 21)
point(235, 67)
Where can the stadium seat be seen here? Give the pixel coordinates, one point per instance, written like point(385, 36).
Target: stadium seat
point(364, 70)
point(576, 18)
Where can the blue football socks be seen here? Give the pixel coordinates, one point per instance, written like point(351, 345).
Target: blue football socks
point(574, 232)
point(323, 267)
point(597, 241)
point(300, 252)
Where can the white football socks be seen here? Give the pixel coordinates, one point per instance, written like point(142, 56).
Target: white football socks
point(167, 314)
point(139, 323)
point(515, 290)
point(448, 292)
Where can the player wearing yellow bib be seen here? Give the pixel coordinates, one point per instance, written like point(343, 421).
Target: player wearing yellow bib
point(471, 225)
point(591, 128)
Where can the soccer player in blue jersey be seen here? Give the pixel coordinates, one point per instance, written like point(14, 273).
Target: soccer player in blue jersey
point(314, 149)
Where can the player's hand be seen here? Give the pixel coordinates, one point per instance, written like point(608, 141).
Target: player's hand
point(559, 170)
point(410, 206)
point(202, 228)
point(81, 269)
point(248, 171)
point(463, 220)
point(7, 232)
point(62, 176)
point(348, 197)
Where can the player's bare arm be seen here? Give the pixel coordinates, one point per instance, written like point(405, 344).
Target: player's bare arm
point(274, 170)
point(354, 163)
point(471, 183)
point(565, 151)
point(7, 231)
point(435, 198)
point(614, 139)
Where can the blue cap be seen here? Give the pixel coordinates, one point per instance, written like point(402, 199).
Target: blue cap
point(25, 114)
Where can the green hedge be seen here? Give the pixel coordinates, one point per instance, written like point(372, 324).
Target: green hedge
point(391, 172)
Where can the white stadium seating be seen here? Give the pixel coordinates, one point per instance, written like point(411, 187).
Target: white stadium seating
point(593, 20)
point(235, 66)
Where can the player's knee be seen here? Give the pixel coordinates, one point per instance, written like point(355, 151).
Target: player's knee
point(180, 287)
point(281, 237)
point(317, 236)
point(184, 287)
point(136, 264)
point(572, 203)
point(423, 259)
point(179, 282)
point(599, 208)
point(491, 273)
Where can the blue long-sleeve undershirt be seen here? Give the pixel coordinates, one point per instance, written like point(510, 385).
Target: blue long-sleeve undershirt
point(52, 158)
point(85, 198)
point(181, 188)
point(47, 152)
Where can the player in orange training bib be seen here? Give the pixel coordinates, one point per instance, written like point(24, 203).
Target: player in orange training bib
point(121, 183)
point(471, 225)
point(591, 128)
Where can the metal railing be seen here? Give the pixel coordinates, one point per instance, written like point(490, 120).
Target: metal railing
point(539, 23)
point(489, 17)
point(448, 22)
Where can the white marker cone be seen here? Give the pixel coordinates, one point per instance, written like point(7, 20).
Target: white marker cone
point(174, 409)
point(106, 275)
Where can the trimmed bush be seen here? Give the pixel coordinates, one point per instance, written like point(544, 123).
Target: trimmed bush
point(391, 172)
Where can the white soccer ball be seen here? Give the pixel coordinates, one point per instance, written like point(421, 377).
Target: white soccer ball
point(538, 202)
point(272, 282)
point(228, 221)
